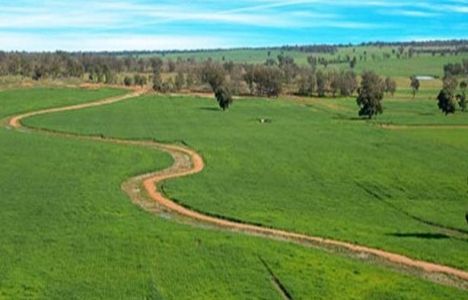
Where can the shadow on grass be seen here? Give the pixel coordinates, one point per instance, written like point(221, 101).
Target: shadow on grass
point(431, 236)
point(210, 108)
point(350, 118)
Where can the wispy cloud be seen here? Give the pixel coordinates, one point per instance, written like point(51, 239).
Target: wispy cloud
point(410, 13)
point(104, 42)
point(192, 24)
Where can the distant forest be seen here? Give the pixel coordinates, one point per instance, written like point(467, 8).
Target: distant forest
point(269, 78)
point(446, 45)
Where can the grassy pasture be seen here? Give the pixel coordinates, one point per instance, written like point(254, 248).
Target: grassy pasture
point(18, 101)
point(68, 231)
point(423, 64)
point(314, 169)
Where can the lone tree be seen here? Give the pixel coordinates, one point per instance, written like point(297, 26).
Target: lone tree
point(446, 98)
point(446, 101)
point(224, 97)
point(370, 95)
point(414, 85)
point(390, 86)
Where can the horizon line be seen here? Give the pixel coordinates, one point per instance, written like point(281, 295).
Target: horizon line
point(272, 47)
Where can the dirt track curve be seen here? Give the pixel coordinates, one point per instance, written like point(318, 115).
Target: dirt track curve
point(145, 191)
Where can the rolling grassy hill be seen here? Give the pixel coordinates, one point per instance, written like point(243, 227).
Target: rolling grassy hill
point(314, 169)
point(68, 231)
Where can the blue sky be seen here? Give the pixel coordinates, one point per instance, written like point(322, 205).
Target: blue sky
point(50, 25)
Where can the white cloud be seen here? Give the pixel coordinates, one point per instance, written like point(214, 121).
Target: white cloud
point(128, 14)
point(410, 13)
point(31, 42)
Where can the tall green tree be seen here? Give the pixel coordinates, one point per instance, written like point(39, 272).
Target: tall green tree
point(446, 101)
point(370, 95)
point(224, 97)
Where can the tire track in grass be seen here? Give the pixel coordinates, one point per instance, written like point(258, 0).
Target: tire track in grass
point(279, 286)
point(452, 232)
point(145, 191)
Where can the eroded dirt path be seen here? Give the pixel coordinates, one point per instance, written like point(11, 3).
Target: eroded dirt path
point(145, 190)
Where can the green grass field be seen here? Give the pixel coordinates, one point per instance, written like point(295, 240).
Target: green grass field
point(312, 170)
point(68, 231)
point(17, 101)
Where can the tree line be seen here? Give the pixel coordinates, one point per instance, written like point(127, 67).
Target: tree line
point(271, 78)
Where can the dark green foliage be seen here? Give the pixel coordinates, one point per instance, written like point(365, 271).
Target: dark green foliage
point(224, 97)
point(450, 82)
point(446, 101)
point(140, 80)
point(455, 69)
point(461, 98)
point(128, 81)
point(38, 73)
point(371, 94)
point(463, 85)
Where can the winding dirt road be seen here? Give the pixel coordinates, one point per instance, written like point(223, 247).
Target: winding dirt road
point(145, 191)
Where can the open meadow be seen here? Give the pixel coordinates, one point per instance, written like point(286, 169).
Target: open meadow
point(68, 231)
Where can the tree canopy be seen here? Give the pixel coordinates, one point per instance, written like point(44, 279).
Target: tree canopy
point(370, 95)
point(224, 97)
